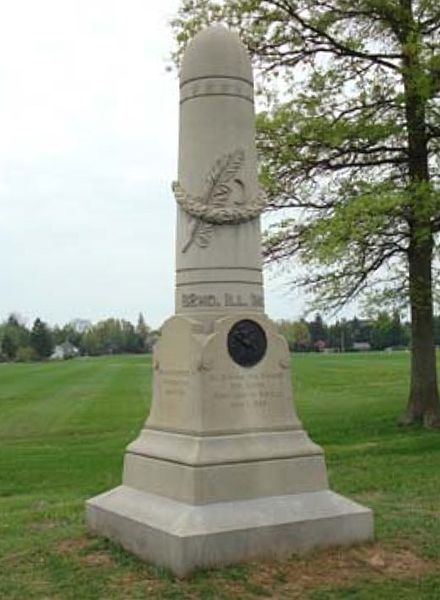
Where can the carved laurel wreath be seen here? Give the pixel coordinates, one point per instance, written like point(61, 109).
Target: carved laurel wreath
point(218, 215)
point(214, 206)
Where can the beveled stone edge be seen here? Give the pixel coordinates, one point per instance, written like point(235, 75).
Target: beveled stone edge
point(208, 450)
point(227, 515)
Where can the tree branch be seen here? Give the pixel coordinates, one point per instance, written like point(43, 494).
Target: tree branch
point(338, 47)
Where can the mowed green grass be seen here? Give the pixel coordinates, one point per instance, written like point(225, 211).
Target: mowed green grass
point(63, 430)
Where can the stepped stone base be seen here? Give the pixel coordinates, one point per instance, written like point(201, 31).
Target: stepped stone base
point(183, 537)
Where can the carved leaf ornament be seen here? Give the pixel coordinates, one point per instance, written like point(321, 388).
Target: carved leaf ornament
point(215, 205)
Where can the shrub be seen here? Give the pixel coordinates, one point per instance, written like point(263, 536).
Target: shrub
point(26, 354)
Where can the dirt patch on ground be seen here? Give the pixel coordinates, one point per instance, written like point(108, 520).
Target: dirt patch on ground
point(97, 559)
point(290, 579)
point(43, 525)
point(72, 545)
point(142, 579)
point(338, 567)
point(401, 562)
point(85, 549)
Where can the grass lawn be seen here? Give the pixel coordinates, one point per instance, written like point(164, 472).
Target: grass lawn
point(63, 430)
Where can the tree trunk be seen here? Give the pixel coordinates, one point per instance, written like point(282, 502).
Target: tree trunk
point(423, 404)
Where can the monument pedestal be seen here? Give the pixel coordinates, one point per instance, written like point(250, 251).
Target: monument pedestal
point(223, 471)
point(183, 537)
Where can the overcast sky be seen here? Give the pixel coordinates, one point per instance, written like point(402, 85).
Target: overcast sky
point(88, 149)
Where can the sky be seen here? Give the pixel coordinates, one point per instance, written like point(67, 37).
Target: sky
point(88, 151)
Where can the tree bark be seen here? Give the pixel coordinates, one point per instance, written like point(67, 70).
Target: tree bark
point(423, 403)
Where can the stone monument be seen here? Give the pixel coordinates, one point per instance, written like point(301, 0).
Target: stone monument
point(223, 470)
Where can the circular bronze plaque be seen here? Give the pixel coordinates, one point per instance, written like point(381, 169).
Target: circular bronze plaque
point(247, 343)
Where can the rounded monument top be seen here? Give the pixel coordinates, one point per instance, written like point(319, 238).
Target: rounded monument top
point(216, 52)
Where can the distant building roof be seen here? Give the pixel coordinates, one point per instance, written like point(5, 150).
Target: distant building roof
point(64, 350)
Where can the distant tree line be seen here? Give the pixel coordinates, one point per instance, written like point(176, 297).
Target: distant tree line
point(386, 330)
point(110, 336)
point(116, 336)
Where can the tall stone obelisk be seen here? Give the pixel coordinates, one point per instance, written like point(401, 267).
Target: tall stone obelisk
point(223, 470)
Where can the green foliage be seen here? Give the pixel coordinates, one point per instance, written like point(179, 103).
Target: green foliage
point(381, 331)
point(26, 354)
point(8, 346)
point(317, 329)
point(41, 339)
point(296, 333)
point(388, 332)
point(68, 333)
point(143, 333)
point(13, 335)
point(111, 336)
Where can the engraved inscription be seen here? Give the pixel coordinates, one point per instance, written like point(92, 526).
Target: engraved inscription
point(244, 392)
point(234, 300)
point(192, 300)
point(226, 299)
point(174, 383)
point(257, 300)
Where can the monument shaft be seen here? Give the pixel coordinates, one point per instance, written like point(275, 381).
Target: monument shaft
point(223, 470)
point(218, 266)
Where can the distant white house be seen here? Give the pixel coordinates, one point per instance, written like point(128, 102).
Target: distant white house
point(64, 351)
point(361, 346)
